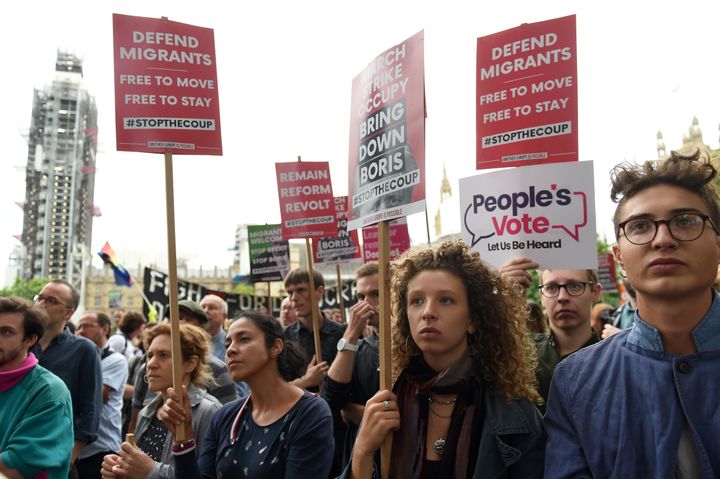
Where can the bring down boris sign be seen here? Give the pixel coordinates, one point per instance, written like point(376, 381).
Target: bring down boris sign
point(166, 93)
point(386, 166)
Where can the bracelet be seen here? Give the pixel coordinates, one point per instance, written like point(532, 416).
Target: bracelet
point(183, 447)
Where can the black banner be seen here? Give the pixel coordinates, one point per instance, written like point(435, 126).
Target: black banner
point(156, 285)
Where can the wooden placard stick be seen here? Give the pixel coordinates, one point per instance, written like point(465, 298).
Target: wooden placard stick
point(339, 294)
point(385, 332)
point(313, 302)
point(269, 300)
point(177, 370)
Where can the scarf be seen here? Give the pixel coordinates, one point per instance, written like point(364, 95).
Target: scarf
point(413, 388)
point(9, 379)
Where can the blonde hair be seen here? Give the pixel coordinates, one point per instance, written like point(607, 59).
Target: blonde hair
point(193, 342)
point(500, 344)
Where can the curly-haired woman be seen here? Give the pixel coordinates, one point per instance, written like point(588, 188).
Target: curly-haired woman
point(461, 406)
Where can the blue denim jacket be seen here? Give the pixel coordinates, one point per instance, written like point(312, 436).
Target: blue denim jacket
point(617, 409)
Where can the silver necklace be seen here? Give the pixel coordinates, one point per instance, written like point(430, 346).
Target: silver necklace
point(439, 444)
point(431, 400)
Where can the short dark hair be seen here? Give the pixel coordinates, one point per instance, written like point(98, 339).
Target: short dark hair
point(591, 275)
point(74, 294)
point(368, 269)
point(34, 318)
point(104, 322)
point(130, 322)
point(301, 275)
point(694, 173)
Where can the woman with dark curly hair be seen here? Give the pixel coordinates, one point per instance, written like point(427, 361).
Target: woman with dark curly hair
point(461, 405)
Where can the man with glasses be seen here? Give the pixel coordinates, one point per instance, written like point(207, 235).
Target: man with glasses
point(644, 402)
point(74, 360)
point(567, 297)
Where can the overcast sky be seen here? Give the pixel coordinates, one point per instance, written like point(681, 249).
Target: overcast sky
point(284, 77)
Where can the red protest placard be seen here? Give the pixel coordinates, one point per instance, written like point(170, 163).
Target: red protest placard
point(527, 95)
point(386, 177)
point(166, 92)
point(307, 206)
point(343, 248)
point(399, 241)
point(606, 272)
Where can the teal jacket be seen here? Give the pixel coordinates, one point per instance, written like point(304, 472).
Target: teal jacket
point(36, 425)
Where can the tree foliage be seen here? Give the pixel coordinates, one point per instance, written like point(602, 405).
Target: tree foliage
point(25, 288)
point(244, 288)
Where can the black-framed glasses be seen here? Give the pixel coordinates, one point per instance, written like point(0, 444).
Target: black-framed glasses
point(87, 325)
point(574, 288)
point(49, 300)
point(682, 227)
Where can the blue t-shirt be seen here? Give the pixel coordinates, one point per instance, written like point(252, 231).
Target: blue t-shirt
point(115, 374)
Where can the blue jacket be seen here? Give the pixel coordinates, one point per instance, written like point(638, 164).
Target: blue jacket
point(618, 408)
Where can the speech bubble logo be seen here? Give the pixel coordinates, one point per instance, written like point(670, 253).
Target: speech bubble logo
point(475, 238)
point(510, 225)
point(576, 234)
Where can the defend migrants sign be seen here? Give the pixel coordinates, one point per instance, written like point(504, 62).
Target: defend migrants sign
point(166, 91)
point(527, 109)
point(307, 205)
point(399, 241)
point(343, 248)
point(387, 136)
point(269, 253)
point(543, 212)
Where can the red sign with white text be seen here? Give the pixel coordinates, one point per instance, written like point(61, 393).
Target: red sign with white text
point(399, 241)
point(307, 206)
point(526, 104)
point(386, 167)
point(343, 248)
point(166, 92)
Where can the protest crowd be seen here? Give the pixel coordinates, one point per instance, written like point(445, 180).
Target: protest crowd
point(481, 387)
point(442, 366)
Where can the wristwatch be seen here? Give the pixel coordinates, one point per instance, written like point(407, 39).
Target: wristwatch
point(344, 345)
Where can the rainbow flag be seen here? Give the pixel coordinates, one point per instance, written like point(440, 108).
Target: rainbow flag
point(122, 277)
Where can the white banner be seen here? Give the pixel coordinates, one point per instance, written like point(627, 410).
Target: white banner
point(544, 212)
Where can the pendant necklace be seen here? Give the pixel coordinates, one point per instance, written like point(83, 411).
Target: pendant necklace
point(439, 444)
